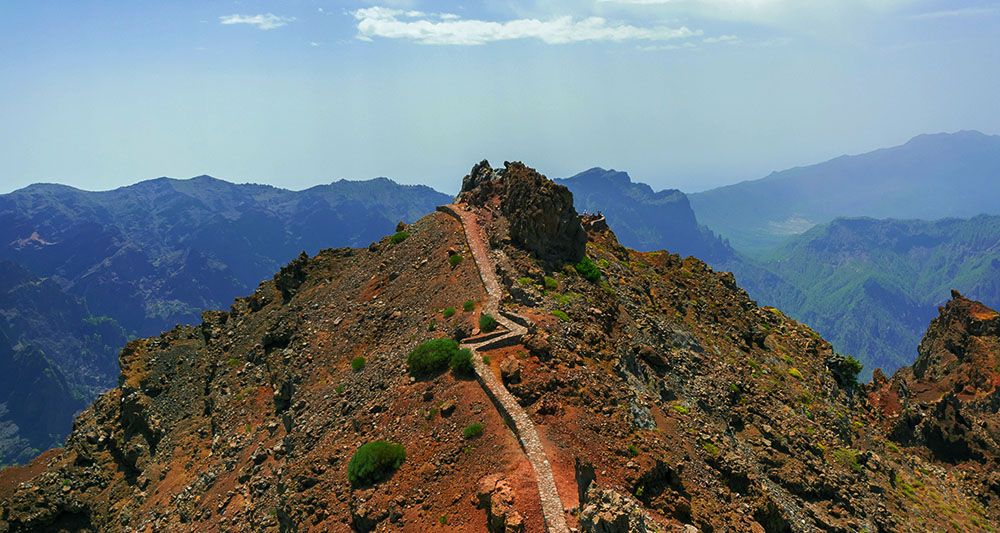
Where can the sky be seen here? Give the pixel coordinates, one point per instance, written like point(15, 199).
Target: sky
point(687, 94)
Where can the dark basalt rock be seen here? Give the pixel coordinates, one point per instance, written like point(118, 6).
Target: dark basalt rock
point(540, 213)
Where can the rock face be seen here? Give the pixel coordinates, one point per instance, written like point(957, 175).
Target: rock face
point(497, 497)
point(607, 511)
point(540, 213)
point(948, 401)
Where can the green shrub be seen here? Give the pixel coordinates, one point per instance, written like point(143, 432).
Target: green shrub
point(794, 372)
point(846, 370)
point(340, 388)
point(487, 323)
point(435, 355)
point(848, 458)
point(430, 357)
point(550, 283)
point(399, 237)
point(374, 462)
point(525, 281)
point(448, 312)
point(358, 363)
point(710, 449)
point(455, 260)
point(680, 409)
point(632, 450)
point(461, 362)
point(561, 315)
point(468, 306)
point(588, 270)
point(473, 430)
point(486, 360)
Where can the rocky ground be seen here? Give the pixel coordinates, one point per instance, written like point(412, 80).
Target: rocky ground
point(664, 398)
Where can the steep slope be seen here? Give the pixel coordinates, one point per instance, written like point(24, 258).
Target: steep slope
point(946, 405)
point(643, 219)
point(54, 357)
point(929, 177)
point(36, 403)
point(155, 254)
point(871, 286)
point(658, 396)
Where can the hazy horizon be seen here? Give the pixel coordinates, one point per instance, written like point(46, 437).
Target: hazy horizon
point(453, 188)
point(685, 94)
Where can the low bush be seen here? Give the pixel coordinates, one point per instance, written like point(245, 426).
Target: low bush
point(487, 323)
point(461, 362)
point(710, 449)
point(358, 364)
point(848, 458)
point(435, 355)
point(561, 315)
point(375, 461)
point(455, 260)
point(550, 283)
point(473, 430)
point(448, 312)
point(588, 270)
point(431, 356)
point(399, 237)
point(468, 306)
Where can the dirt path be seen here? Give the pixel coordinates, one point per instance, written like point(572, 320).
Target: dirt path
point(516, 417)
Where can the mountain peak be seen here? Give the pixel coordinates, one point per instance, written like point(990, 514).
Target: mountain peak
point(540, 212)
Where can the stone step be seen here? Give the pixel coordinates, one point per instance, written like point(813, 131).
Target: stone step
point(483, 337)
point(511, 339)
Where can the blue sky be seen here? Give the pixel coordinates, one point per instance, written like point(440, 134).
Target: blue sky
point(680, 93)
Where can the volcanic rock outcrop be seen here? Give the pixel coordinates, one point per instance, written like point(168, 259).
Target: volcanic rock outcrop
point(540, 213)
point(946, 405)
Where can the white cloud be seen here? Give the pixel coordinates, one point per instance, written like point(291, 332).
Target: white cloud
point(794, 15)
point(955, 13)
point(450, 29)
point(730, 39)
point(266, 21)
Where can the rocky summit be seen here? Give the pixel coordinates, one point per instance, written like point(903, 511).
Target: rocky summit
point(539, 214)
point(946, 405)
point(569, 384)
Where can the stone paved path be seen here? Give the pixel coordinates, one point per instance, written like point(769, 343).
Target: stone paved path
point(516, 417)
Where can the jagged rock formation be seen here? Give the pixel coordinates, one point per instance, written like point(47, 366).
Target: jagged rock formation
point(946, 405)
point(540, 213)
point(699, 409)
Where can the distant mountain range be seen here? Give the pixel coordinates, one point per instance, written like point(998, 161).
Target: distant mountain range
point(870, 285)
point(929, 177)
point(644, 219)
point(81, 270)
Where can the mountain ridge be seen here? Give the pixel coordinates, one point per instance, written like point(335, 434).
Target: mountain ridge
point(931, 176)
point(699, 408)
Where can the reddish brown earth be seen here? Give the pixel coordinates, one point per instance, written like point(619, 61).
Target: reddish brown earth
point(660, 393)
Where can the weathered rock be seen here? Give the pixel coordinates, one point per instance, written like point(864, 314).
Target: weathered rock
point(510, 371)
point(608, 511)
point(497, 497)
point(540, 213)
